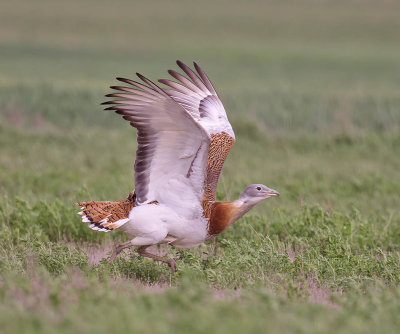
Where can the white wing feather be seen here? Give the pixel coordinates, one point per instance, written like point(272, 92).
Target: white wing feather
point(172, 149)
point(198, 97)
point(174, 134)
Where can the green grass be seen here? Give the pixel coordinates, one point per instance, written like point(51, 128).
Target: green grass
point(312, 91)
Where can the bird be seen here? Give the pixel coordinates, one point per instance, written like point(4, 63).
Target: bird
point(183, 137)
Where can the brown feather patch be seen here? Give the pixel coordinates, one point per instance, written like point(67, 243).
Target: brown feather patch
point(105, 213)
point(221, 144)
point(222, 214)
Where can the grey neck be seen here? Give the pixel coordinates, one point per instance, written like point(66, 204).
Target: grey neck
point(245, 205)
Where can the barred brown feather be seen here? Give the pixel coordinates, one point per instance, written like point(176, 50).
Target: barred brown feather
point(107, 215)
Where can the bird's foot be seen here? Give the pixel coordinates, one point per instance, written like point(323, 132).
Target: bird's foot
point(172, 264)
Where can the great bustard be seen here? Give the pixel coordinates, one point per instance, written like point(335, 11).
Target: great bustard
point(184, 137)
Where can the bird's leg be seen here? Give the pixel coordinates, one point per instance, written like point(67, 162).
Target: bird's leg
point(142, 251)
point(118, 249)
point(215, 246)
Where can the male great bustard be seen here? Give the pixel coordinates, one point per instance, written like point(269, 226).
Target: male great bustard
point(183, 139)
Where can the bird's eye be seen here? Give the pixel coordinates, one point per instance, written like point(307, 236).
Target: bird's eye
point(258, 188)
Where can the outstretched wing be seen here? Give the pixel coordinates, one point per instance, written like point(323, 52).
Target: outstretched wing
point(172, 147)
point(197, 96)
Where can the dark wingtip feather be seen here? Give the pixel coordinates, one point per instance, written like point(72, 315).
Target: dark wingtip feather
point(196, 65)
point(205, 78)
point(110, 108)
point(107, 102)
point(182, 65)
point(128, 81)
point(151, 84)
point(143, 78)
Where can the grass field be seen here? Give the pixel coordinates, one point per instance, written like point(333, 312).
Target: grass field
point(312, 91)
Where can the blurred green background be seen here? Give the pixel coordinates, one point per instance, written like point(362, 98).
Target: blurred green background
point(312, 91)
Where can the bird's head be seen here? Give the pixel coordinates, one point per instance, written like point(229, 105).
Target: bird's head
point(255, 193)
point(250, 196)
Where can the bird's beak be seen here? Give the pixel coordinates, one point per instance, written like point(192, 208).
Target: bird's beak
point(272, 192)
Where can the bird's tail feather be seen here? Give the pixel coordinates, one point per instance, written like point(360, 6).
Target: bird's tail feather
point(106, 216)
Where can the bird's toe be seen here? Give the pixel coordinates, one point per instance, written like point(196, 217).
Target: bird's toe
point(173, 266)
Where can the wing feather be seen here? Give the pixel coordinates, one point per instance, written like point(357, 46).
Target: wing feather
point(172, 147)
point(206, 81)
point(196, 94)
point(183, 133)
point(192, 76)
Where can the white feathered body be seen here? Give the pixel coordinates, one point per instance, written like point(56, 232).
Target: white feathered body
point(158, 223)
point(177, 218)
